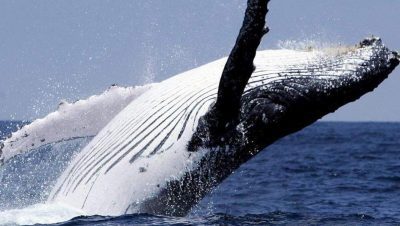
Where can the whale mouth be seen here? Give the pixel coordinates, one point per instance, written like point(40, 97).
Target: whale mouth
point(302, 95)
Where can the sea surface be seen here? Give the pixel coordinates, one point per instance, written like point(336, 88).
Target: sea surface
point(327, 174)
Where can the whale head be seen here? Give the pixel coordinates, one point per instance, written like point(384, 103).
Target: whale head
point(300, 96)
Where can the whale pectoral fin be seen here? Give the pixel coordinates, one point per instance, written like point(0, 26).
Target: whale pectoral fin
point(84, 118)
point(237, 71)
point(239, 65)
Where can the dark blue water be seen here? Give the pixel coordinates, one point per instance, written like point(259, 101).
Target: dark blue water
point(327, 174)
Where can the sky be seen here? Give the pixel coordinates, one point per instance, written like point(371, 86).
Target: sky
point(68, 50)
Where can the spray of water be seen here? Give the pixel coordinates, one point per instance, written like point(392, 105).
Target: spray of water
point(328, 48)
point(39, 214)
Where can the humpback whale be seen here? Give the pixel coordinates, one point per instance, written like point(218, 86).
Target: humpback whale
point(176, 141)
point(143, 159)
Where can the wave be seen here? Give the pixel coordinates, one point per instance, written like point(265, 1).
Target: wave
point(64, 215)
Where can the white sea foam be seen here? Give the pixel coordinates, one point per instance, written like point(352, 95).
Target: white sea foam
point(39, 214)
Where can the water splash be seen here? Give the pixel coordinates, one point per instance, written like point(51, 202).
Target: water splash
point(28, 178)
point(326, 48)
point(305, 44)
point(39, 214)
point(54, 90)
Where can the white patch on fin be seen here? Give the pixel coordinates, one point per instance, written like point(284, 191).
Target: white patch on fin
point(83, 118)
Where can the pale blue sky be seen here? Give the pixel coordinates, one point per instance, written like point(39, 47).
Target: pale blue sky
point(70, 49)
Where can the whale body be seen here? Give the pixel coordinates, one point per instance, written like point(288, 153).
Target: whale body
point(140, 162)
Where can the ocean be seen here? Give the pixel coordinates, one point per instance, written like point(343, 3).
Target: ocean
point(331, 173)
